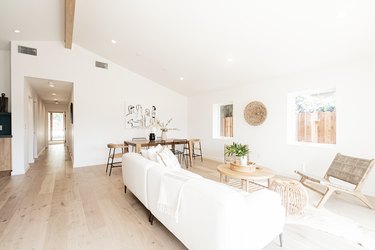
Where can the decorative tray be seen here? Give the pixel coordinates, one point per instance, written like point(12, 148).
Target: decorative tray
point(251, 167)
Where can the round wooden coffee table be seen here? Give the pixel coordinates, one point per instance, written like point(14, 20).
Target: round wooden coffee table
point(261, 173)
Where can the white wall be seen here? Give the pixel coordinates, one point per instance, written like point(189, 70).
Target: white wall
point(99, 97)
point(5, 74)
point(355, 88)
point(35, 117)
point(41, 127)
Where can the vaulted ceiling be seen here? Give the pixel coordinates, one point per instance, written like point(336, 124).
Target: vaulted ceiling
point(198, 46)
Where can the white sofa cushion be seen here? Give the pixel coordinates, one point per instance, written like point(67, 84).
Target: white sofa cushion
point(167, 158)
point(151, 153)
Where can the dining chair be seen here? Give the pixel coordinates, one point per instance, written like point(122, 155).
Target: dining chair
point(139, 139)
point(197, 146)
point(135, 139)
point(178, 149)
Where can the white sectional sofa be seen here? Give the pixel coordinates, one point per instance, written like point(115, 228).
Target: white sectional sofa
point(211, 215)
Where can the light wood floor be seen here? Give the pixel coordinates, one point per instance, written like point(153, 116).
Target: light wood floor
point(55, 206)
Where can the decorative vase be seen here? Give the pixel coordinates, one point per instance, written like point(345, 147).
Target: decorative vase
point(152, 137)
point(163, 135)
point(243, 160)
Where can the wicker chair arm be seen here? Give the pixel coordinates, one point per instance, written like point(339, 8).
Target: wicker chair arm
point(307, 177)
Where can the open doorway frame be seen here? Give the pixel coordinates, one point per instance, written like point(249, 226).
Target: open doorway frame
point(56, 127)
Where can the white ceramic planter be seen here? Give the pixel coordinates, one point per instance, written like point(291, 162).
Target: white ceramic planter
point(243, 160)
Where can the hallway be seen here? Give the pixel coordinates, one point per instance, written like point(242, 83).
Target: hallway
point(55, 206)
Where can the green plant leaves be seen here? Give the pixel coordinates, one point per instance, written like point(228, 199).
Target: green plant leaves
point(236, 149)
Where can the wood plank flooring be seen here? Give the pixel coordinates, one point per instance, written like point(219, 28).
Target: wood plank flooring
point(55, 206)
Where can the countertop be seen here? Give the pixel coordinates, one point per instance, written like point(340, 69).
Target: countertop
point(6, 136)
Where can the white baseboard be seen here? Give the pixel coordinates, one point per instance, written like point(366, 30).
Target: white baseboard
point(27, 169)
point(41, 151)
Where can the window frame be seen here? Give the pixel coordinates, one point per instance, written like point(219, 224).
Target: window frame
point(291, 118)
point(216, 122)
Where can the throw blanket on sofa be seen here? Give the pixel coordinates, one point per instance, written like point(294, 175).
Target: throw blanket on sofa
point(171, 187)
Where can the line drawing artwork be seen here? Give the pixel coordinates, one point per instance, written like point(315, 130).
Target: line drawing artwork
point(136, 116)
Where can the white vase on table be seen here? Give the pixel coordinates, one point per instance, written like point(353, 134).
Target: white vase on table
point(243, 160)
point(163, 135)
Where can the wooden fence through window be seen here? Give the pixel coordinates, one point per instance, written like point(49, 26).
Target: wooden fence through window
point(227, 127)
point(317, 127)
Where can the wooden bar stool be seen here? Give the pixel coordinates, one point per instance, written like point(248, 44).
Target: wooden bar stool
point(112, 155)
point(195, 146)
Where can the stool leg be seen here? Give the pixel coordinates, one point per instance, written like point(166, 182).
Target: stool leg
point(109, 155)
point(281, 239)
point(110, 170)
point(200, 151)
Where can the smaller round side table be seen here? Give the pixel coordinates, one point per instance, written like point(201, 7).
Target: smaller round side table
point(293, 194)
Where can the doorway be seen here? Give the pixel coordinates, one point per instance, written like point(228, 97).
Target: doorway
point(56, 127)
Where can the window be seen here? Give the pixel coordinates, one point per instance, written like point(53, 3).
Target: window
point(223, 121)
point(313, 117)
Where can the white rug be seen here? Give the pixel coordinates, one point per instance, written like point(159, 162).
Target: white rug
point(345, 226)
point(329, 222)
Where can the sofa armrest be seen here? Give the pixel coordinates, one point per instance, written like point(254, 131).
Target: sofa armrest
point(266, 216)
point(134, 174)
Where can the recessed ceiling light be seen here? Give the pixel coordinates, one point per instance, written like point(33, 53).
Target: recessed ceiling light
point(53, 93)
point(55, 99)
point(51, 84)
point(16, 31)
point(181, 78)
point(113, 41)
point(56, 102)
point(229, 59)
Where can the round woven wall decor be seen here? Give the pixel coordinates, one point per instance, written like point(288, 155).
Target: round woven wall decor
point(255, 113)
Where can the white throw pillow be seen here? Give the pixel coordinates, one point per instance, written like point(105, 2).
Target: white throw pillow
point(168, 159)
point(152, 152)
point(144, 153)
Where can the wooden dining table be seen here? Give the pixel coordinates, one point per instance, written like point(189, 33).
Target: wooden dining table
point(139, 144)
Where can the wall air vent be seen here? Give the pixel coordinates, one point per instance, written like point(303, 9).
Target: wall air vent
point(101, 65)
point(27, 50)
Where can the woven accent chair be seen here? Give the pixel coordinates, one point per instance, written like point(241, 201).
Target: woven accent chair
point(345, 168)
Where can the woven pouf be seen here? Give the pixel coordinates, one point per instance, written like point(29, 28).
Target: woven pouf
point(293, 195)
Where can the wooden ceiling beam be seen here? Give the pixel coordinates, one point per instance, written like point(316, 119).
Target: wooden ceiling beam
point(69, 22)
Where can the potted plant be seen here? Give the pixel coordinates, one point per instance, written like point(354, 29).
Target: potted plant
point(239, 150)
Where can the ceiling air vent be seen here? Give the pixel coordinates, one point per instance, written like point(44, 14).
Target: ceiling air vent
point(101, 65)
point(27, 50)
